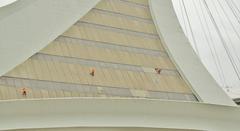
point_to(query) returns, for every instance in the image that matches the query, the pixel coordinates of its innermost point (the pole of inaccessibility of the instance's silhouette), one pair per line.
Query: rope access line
(222, 39)
(190, 27)
(228, 18)
(227, 34)
(231, 43)
(235, 6)
(211, 39)
(225, 45)
(233, 11)
(183, 18)
(212, 51)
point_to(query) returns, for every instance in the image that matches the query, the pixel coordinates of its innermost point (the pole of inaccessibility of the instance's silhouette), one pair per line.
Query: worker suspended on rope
(158, 70)
(24, 91)
(92, 71)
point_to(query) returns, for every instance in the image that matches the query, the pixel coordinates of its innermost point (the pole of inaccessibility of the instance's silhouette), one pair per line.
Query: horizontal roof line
(120, 30)
(135, 4)
(99, 63)
(130, 16)
(113, 46)
(87, 89)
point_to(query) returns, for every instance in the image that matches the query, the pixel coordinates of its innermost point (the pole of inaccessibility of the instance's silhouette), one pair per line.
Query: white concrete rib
(105, 112)
(27, 26)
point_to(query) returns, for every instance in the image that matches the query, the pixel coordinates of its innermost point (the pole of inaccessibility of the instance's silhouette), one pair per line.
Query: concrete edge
(27, 26)
(107, 112)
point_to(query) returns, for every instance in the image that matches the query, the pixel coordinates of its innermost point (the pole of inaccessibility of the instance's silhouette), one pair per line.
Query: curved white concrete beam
(181, 52)
(103, 129)
(27, 26)
(6, 2)
(93, 112)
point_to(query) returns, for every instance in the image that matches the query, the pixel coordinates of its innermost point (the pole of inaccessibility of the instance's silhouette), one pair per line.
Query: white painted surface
(27, 26)
(103, 129)
(201, 23)
(6, 2)
(93, 112)
(181, 52)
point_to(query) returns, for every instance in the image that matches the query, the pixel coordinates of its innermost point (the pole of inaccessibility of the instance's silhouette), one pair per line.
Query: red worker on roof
(24, 91)
(92, 72)
(158, 70)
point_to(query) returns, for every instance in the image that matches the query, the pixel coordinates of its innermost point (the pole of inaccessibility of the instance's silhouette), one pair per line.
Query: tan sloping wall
(123, 48)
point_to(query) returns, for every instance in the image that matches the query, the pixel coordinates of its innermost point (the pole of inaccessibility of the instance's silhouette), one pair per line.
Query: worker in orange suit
(92, 72)
(158, 70)
(24, 91)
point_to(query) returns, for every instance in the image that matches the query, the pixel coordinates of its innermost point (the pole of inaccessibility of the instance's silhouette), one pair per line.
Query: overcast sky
(221, 12)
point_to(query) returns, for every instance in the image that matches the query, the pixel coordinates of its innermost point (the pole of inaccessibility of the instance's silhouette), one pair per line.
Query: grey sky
(197, 14)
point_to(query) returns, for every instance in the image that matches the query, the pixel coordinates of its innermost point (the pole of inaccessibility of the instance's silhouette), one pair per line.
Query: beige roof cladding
(118, 40)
